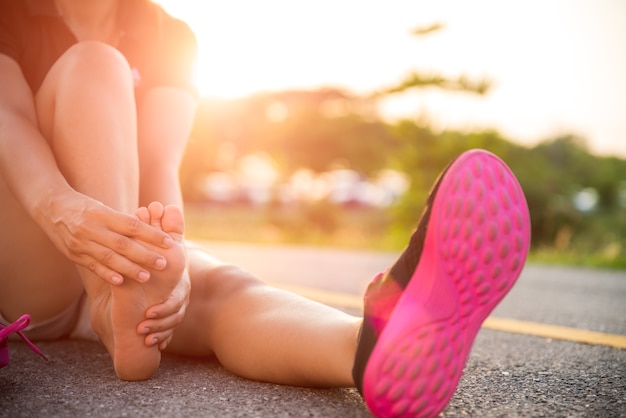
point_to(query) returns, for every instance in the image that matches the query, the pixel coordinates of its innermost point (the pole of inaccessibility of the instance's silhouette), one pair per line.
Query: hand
(165, 317)
(102, 240)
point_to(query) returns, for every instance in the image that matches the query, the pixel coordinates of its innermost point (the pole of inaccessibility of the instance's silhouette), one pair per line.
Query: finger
(175, 303)
(149, 326)
(131, 226)
(163, 345)
(101, 271)
(171, 306)
(158, 338)
(110, 265)
(126, 255)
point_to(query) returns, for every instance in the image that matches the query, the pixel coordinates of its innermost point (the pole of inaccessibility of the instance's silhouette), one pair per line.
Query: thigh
(35, 278)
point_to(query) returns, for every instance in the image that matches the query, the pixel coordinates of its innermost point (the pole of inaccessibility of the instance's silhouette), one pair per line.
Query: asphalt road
(507, 374)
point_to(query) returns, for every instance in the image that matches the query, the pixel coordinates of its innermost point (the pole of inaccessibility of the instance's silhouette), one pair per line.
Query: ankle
(100, 315)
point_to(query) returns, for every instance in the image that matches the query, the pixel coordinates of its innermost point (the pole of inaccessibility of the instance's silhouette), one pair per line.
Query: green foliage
(330, 128)
(550, 174)
(313, 129)
(320, 216)
(421, 80)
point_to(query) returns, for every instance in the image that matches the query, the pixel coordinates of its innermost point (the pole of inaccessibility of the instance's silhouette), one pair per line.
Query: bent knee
(89, 62)
(223, 281)
(99, 57)
(94, 69)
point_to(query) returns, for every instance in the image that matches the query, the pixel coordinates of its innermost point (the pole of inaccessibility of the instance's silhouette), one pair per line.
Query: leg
(86, 111)
(34, 277)
(421, 316)
(73, 107)
(263, 333)
(97, 80)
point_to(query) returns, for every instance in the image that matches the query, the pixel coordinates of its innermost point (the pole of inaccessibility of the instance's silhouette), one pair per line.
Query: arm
(83, 229)
(26, 160)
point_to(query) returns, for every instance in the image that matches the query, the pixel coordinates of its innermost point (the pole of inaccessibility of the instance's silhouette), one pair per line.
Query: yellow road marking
(498, 324)
(555, 332)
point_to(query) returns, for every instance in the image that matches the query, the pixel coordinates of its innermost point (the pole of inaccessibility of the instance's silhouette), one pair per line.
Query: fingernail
(145, 331)
(144, 276)
(117, 279)
(168, 241)
(161, 263)
(155, 340)
(152, 315)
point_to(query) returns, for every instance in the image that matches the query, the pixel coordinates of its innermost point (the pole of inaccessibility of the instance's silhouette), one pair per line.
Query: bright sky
(558, 66)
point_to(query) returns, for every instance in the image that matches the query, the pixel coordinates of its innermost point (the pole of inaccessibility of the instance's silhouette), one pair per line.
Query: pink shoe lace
(15, 327)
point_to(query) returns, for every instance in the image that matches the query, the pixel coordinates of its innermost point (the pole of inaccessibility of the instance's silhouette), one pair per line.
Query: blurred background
(326, 122)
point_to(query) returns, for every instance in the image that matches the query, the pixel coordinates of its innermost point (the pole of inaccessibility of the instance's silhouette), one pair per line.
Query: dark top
(160, 49)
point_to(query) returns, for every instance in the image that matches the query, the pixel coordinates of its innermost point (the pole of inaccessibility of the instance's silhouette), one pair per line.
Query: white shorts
(72, 323)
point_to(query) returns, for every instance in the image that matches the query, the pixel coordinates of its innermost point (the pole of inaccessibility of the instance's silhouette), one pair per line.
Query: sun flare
(558, 66)
(241, 53)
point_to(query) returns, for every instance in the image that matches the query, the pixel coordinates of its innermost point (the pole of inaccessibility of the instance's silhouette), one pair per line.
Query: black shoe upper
(400, 273)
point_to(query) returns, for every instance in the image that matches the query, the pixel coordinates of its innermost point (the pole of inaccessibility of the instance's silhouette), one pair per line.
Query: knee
(223, 282)
(87, 60)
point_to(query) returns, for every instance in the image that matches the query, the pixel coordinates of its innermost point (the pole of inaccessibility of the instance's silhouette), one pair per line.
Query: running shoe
(421, 316)
(15, 327)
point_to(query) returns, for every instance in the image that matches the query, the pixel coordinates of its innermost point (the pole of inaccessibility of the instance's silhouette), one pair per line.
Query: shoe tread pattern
(477, 244)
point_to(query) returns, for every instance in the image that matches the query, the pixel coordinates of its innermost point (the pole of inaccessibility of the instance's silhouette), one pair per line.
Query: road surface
(521, 370)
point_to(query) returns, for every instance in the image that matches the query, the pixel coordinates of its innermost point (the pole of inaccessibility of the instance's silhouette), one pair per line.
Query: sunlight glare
(557, 66)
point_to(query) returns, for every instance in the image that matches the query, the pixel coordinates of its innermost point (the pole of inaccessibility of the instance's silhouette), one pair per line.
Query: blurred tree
(421, 79)
(330, 128)
(312, 129)
(425, 154)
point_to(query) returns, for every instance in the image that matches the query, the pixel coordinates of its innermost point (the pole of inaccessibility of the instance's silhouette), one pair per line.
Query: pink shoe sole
(475, 248)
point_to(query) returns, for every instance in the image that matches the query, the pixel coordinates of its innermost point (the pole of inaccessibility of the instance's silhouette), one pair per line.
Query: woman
(96, 107)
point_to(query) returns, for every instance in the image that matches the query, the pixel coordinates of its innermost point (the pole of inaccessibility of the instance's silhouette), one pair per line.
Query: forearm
(27, 163)
(28, 166)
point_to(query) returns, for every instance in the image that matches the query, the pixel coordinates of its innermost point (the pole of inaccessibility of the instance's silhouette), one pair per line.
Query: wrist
(45, 208)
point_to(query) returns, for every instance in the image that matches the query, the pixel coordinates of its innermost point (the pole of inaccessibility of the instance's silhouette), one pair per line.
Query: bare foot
(132, 359)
